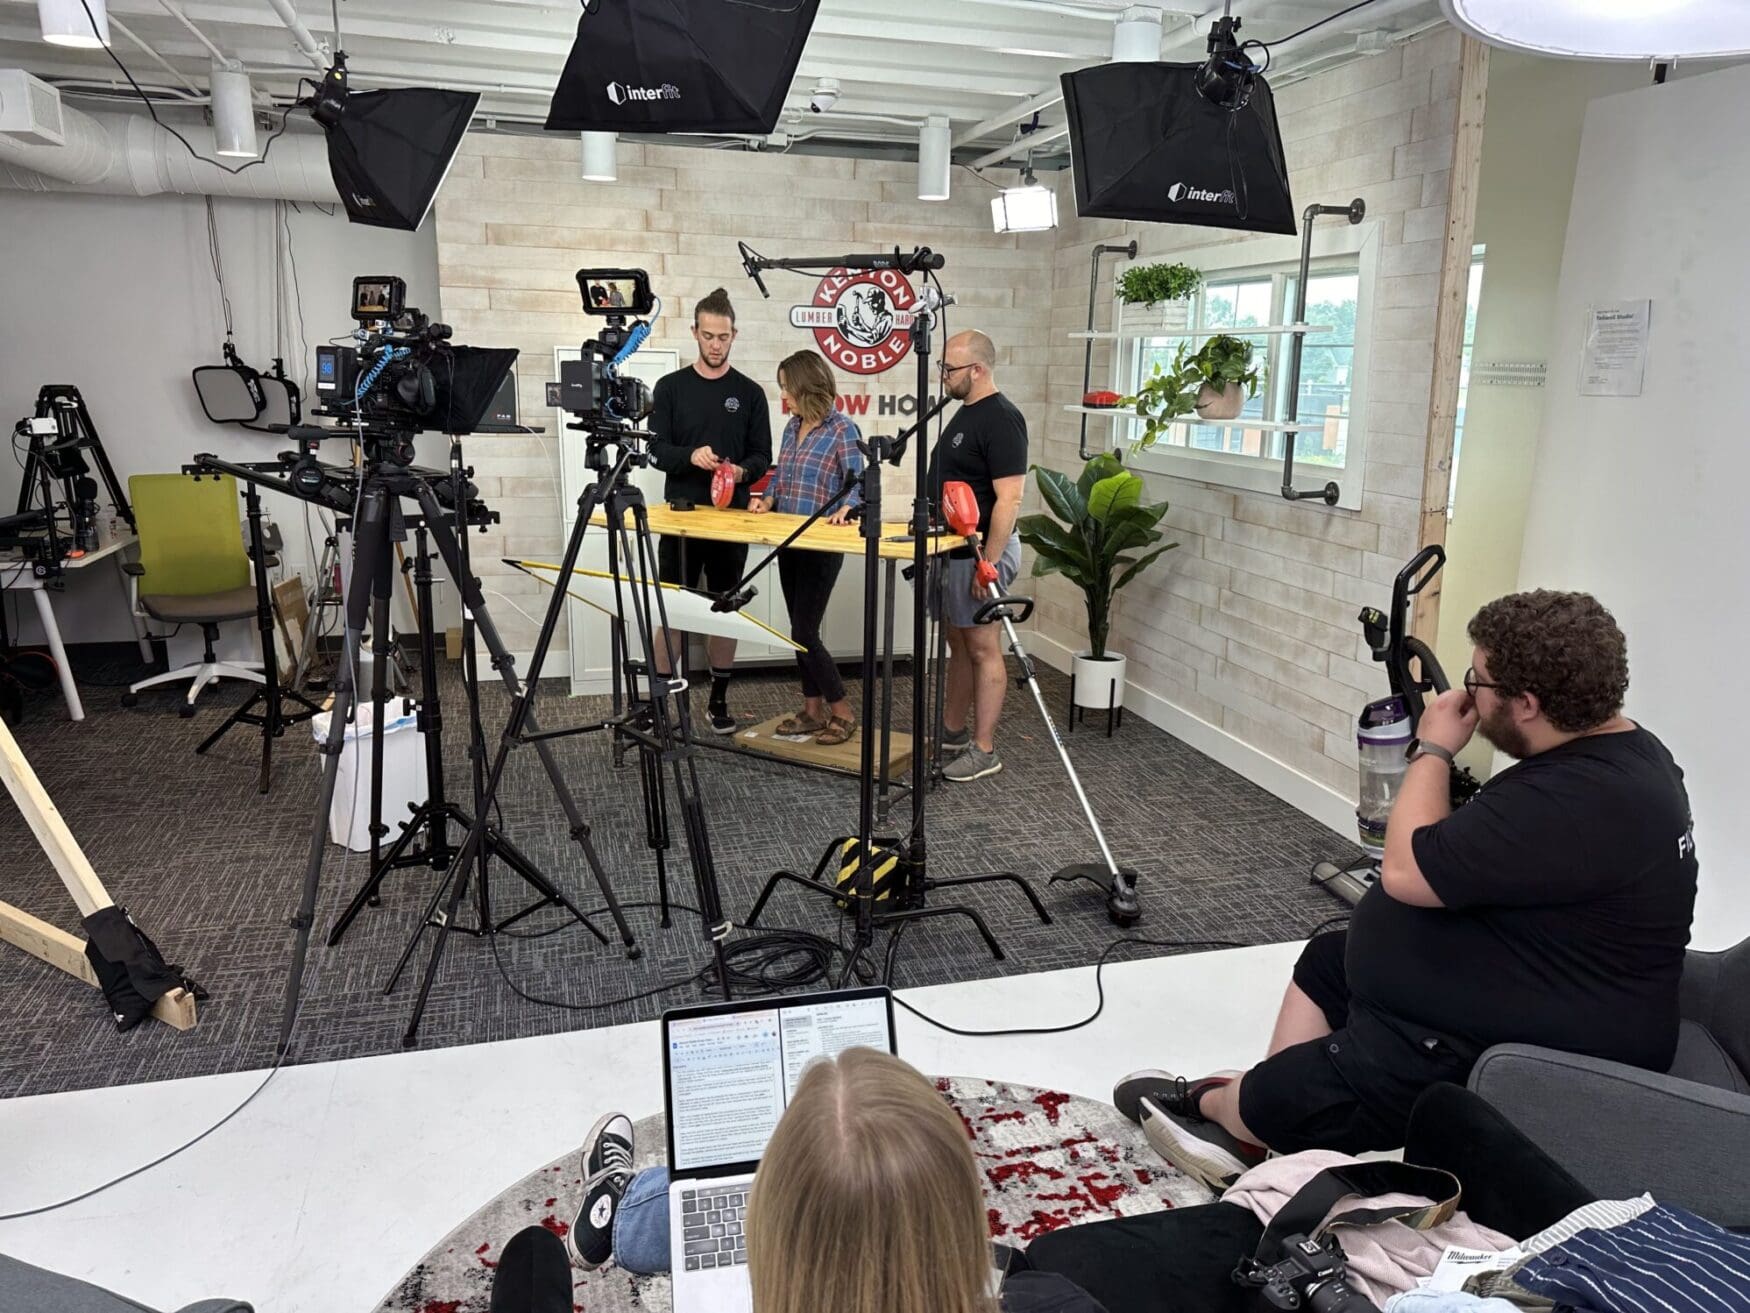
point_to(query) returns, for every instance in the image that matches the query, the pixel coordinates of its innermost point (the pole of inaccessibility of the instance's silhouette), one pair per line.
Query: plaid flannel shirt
(810, 470)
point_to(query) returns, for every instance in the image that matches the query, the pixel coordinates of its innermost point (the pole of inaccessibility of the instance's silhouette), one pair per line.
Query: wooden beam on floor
(1455, 262)
(66, 952)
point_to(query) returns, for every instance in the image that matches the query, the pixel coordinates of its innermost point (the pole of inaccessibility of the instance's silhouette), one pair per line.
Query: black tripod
(377, 525)
(273, 717)
(425, 838)
(657, 718)
(885, 868)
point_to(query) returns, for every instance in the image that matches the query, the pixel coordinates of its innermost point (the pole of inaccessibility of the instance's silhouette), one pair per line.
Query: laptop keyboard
(711, 1218)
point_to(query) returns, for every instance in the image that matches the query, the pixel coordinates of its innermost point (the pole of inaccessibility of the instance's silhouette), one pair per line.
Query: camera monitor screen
(615, 291)
(378, 298)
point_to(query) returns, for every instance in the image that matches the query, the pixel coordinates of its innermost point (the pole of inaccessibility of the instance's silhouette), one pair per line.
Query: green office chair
(193, 569)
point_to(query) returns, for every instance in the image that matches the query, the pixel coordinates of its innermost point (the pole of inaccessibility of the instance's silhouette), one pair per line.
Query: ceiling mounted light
(935, 155)
(1029, 208)
(1639, 30)
(1136, 36)
(600, 156)
(233, 112)
(65, 23)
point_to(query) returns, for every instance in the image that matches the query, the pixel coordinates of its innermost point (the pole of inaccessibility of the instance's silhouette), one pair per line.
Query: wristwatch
(1418, 748)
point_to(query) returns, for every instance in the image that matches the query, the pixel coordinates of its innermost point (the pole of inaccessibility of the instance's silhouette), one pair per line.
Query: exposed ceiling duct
(130, 155)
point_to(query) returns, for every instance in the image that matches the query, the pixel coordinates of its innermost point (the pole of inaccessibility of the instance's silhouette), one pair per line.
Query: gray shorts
(956, 594)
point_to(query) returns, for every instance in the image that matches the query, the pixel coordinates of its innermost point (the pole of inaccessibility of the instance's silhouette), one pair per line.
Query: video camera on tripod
(606, 402)
(404, 374)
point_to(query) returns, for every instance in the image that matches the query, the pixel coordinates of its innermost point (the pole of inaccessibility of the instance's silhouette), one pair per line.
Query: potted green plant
(1165, 397)
(1224, 376)
(1099, 535)
(1155, 298)
(1150, 284)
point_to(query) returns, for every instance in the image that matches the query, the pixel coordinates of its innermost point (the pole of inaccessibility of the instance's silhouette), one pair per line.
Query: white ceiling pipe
(199, 35)
(155, 57)
(129, 155)
(1031, 141)
(1013, 114)
(317, 52)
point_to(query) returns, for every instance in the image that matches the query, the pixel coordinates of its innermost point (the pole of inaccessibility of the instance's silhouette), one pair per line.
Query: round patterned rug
(1049, 1159)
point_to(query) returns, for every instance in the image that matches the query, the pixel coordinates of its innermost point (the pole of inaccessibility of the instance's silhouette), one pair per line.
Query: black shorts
(1351, 1091)
(684, 561)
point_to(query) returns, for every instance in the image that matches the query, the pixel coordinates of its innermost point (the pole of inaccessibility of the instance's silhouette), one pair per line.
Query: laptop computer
(729, 1071)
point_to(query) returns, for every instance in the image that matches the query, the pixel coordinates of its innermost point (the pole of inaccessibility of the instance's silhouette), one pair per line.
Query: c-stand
(910, 863)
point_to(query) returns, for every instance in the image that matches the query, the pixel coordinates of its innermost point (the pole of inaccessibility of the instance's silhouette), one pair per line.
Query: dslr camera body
(591, 387)
(1310, 1275)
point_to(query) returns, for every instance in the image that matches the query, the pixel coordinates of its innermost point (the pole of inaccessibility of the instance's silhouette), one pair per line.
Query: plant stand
(1114, 696)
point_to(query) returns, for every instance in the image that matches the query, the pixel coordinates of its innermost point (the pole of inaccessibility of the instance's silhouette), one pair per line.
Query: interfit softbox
(681, 65)
(1145, 145)
(389, 151)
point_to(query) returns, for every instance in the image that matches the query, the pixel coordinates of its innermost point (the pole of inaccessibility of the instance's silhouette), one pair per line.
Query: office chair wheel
(130, 699)
(186, 711)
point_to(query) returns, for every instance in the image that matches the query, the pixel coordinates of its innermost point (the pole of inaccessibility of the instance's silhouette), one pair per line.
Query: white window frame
(1360, 243)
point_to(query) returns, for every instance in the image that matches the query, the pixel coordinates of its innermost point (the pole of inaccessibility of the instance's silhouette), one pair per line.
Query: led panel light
(1024, 209)
(1639, 30)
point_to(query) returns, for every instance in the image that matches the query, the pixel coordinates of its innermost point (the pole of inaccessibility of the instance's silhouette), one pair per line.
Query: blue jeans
(641, 1225)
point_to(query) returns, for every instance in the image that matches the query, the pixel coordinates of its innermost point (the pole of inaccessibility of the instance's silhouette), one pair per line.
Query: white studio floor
(323, 1192)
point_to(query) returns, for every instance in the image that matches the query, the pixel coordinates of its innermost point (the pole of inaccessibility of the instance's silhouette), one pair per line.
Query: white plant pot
(1161, 318)
(1099, 684)
(1225, 404)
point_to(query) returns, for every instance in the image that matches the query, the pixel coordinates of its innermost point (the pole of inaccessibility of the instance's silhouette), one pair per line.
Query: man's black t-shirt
(985, 441)
(1568, 884)
(727, 414)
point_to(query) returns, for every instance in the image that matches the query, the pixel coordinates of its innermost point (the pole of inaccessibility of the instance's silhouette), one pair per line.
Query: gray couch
(27, 1289)
(1684, 1135)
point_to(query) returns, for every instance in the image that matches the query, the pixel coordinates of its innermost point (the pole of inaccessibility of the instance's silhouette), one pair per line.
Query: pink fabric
(1383, 1259)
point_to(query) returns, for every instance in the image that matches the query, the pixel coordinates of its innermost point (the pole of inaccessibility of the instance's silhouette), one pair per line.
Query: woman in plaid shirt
(817, 453)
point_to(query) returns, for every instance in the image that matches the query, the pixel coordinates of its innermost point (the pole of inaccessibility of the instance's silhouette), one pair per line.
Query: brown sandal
(800, 724)
(838, 730)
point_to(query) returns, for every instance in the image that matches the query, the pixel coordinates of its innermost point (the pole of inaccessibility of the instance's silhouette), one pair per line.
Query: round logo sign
(861, 321)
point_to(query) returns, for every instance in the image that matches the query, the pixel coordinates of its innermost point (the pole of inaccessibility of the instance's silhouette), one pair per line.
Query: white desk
(16, 574)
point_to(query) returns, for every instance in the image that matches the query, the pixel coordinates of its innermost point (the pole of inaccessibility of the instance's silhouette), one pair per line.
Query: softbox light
(681, 66)
(389, 151)
(1145, 145)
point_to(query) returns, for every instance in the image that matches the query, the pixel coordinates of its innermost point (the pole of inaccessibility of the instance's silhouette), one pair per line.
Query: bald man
(985, 445)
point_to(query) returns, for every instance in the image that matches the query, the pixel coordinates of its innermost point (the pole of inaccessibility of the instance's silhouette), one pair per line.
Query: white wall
(116, 296)
(1531, 145)
(1642, 500)
(1243, 641)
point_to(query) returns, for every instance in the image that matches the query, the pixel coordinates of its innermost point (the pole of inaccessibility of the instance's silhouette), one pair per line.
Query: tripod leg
(924, 913)
(551, 895)
(656, 822)
(522, 715)
(371, 523)
(381, 591)
(367, 894)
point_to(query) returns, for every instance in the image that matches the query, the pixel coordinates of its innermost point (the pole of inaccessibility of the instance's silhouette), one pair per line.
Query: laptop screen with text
(732, 1073)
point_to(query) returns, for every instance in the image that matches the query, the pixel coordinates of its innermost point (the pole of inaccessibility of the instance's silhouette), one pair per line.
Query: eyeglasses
(1472, 683)
(946, 368)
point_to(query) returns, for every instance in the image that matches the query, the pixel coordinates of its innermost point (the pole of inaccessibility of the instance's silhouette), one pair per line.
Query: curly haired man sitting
(1552, 909)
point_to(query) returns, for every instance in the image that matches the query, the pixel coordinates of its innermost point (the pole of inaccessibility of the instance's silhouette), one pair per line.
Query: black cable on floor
(1099, 988)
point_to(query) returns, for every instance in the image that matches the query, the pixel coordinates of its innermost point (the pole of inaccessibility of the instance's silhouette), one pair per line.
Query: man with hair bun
(706, 415)
(1552, 909)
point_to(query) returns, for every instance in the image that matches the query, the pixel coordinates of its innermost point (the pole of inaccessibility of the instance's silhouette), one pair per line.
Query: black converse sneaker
(607, 1171)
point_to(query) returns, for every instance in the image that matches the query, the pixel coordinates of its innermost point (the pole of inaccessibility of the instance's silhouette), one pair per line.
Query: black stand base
(885, 910)
(1114, 708)
(270, 721)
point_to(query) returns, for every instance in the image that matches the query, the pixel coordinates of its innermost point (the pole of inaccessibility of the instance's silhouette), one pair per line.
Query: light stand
(273, 718)
(868, 852)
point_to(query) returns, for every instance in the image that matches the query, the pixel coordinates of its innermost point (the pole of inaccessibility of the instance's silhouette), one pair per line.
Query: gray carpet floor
(213, 871)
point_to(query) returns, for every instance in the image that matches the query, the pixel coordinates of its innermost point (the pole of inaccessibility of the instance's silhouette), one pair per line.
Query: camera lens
(1335, 1296)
